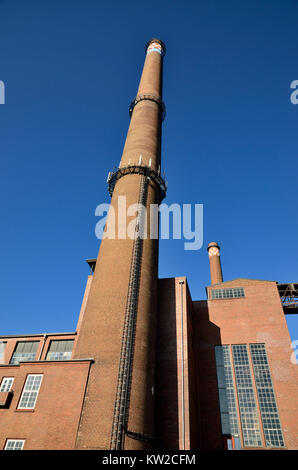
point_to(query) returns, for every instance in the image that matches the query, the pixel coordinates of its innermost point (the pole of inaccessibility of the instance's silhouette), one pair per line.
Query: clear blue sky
(71, 69)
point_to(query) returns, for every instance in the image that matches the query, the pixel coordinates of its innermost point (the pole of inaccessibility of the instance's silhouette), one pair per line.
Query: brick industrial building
(147, 366)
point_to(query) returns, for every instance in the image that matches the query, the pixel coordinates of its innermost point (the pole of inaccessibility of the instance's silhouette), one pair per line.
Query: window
(233, 293)
(267, 402)
(246, 398)
(236, 378)
(6, 384)
(232, 443)
(14, 444)
(24, 351)
(227, 399)
(2, 352)
(30, 392)
(60, 350)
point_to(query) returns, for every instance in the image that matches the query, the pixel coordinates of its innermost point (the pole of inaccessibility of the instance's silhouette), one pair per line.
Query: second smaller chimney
(215, 265)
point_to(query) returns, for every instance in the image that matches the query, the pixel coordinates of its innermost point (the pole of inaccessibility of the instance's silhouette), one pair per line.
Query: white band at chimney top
(154, 47)
(213, 251)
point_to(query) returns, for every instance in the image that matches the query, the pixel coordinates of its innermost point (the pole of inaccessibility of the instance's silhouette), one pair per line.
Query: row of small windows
(232, 293)
(59, 350)
(233, 361)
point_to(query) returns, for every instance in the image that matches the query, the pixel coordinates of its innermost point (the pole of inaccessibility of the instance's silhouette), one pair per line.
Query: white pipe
(42, 347)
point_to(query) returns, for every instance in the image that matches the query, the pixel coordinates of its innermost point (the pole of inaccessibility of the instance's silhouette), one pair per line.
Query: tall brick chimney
(119, 321)
(215, 265)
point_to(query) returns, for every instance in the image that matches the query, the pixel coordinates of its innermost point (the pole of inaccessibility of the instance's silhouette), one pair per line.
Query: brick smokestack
(118, 328)
(215, 264)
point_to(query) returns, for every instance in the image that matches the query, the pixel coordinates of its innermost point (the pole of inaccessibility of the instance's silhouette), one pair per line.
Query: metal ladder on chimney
(121, 408)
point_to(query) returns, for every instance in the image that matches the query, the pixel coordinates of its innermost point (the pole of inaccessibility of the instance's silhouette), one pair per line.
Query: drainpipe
(42, 347)
(182, 368)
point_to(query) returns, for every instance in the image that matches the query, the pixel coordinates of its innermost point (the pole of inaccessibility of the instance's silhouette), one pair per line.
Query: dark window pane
(247, 402)
(267, 402)
(24, 351)
(60, 350)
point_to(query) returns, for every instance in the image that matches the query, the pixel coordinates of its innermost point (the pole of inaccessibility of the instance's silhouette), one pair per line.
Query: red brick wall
(53, 424)
(170, 407)
(166, 383)
(206, 334)
(43, 340)
(257, 318)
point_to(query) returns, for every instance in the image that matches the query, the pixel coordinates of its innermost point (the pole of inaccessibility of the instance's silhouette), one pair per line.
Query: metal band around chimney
(140, 170)
(153, 98)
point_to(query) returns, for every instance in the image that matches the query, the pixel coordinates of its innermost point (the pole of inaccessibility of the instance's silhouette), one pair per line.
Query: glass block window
(246, 398)
(232, 293)
(227, 399)
(24, 351)
(6, 384)
(2, 351)
(60, 350)
(14, 444)
(30, 391)
(267, 402)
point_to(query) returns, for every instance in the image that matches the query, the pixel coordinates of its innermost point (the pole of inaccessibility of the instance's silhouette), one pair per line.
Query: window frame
(248, 405)
(5, 387)
(227, 293)
(16, 357)
(34, 392)
(3, 345)
(226, 391)
(60, 354)
(14, 440)
(272, 427)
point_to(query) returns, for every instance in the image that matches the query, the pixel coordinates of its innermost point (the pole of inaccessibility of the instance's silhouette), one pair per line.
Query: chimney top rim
(213, 244)
(159, 41)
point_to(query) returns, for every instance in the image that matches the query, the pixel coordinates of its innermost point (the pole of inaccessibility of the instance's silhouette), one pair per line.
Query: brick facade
(187, 413)
(142, 372)
(53, 423)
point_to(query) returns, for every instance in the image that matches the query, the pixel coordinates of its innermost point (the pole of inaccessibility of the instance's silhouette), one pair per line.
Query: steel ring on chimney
(154, 176)
(153, 98)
